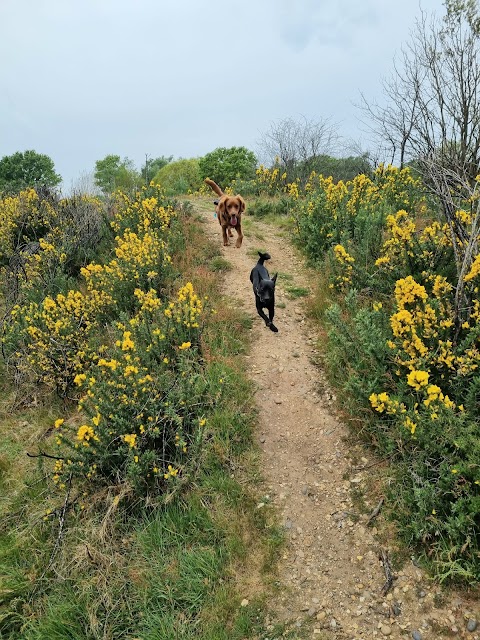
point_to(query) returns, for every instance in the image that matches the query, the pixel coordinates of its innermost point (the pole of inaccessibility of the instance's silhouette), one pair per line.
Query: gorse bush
(144, 398)
(45, 240)
(405, 356)
(121, 343)
(333, 213)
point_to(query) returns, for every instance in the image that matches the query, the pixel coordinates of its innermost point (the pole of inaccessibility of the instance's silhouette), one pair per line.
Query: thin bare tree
(294, 145)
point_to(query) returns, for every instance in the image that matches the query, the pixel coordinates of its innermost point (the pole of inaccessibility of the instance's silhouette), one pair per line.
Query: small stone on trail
(244, 602)
(386, 630)
(416, 635)
(472, 625)
(278, 401)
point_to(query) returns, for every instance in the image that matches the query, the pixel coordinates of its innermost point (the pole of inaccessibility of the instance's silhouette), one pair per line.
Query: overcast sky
(81, 79)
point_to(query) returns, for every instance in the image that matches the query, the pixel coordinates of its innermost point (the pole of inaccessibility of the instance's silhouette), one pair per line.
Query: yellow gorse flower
(417, 379)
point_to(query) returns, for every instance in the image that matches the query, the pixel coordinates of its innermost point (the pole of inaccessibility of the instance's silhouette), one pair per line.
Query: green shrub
(180, 176)
(225, 165)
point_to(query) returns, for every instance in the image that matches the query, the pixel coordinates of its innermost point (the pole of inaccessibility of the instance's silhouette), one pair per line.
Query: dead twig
(377, 462)
(387, 567)
(375, 512)
(61, 526)
(41, 454)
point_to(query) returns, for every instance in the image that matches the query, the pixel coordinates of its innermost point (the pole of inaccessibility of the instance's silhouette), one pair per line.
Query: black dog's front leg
(268, 321)
(271, 314)
(258, 304)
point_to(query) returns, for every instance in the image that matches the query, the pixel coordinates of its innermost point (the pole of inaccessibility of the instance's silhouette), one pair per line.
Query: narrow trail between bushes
(322, 485)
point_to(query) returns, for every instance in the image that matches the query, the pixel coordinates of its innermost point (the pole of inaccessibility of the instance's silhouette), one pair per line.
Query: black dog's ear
(274, 279)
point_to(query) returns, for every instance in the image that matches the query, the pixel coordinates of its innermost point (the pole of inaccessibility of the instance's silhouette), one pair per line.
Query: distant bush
(341, 168)
(276, 207)
(27, 170)
(225, 165)
(179, 177)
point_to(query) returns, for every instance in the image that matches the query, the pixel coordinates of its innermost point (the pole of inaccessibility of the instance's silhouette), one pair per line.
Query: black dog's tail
(263, 257)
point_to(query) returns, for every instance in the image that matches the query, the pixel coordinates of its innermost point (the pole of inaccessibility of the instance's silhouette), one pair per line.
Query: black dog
(264, 290)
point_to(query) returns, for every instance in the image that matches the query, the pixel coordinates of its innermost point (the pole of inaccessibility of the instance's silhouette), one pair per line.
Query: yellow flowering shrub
(144, 399)
(49, 342)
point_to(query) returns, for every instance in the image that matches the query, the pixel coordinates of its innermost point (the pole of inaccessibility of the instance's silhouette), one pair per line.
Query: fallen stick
(387, 567)
(375, 512)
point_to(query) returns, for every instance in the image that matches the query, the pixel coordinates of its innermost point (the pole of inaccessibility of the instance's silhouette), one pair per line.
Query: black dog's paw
(273, 327)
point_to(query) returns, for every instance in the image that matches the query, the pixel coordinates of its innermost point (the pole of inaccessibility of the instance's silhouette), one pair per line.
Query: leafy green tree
(224, 165)
(113, 173)
(153, 165)
(180, 176)
(27, 169)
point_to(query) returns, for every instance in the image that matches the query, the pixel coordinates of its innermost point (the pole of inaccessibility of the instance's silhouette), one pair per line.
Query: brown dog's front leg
(238, 243)
(225, 237)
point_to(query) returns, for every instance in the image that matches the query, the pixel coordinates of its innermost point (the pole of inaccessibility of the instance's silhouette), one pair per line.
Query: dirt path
(331, 571)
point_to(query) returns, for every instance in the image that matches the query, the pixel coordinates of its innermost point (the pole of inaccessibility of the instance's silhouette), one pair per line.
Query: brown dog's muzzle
(233, 221)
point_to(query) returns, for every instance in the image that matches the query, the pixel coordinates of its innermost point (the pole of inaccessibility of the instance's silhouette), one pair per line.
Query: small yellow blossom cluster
(143, 212)
(434, 401)
(270, 181)
(335, 194)
(398, 187)
(383, 403)
(363, 194)
(345, 262)
(397, 247)
(292, 189)
(422, 327)
(474, 270)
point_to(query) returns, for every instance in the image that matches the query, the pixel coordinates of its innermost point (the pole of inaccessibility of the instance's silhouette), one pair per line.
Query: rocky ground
(324, 486)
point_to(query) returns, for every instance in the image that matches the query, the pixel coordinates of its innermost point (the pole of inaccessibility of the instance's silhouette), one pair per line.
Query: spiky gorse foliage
(142, 400)
(401, 346)
(114, 338)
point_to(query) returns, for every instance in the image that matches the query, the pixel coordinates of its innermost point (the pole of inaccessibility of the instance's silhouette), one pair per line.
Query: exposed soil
(323, 485)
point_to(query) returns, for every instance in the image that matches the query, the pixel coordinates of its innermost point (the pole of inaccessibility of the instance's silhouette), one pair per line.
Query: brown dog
(229, 213)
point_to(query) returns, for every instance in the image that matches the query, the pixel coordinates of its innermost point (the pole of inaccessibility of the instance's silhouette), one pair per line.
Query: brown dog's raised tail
(214, 186)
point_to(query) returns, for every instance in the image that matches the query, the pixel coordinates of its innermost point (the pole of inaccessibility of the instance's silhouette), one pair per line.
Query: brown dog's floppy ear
(222, 204)
(242, 204)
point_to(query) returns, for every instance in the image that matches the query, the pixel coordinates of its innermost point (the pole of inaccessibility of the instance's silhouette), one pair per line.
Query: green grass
(251, 229)
(220, 264)
(297, 292)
